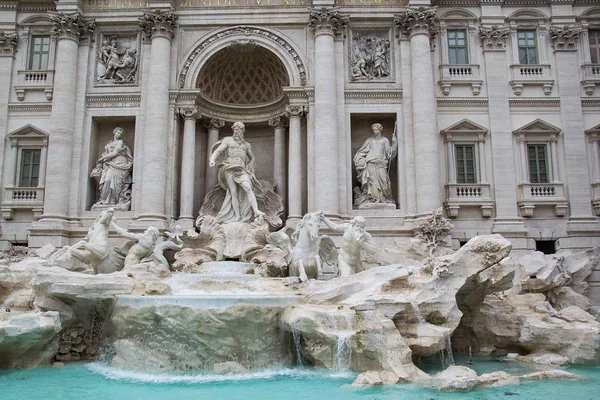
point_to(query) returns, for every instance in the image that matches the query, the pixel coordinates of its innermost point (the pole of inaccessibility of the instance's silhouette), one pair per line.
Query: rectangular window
(465, 163)
(538, 166)
(527, 47)
(457, 47)
(40, 51)
(595, 46)
(30, 167)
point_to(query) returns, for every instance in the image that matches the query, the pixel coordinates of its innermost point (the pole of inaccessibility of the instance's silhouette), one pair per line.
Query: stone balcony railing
(28, 198)
(538, 74)
(468, 195)
(467, 74)
(591, 77)
(540, 194)
(35, 80)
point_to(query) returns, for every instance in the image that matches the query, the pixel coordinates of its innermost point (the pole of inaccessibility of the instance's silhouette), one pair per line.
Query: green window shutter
(457, 47)
(40, 52)
(465, 163)
(30, 168)
(528, 51)
(538, 163)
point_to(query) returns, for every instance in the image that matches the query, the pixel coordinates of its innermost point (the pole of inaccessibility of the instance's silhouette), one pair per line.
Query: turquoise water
(98, 382)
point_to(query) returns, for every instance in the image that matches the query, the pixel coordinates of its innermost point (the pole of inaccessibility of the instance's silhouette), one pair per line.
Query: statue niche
(113, 173)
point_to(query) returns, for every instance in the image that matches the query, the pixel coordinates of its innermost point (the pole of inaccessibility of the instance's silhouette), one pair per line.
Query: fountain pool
(98, 381)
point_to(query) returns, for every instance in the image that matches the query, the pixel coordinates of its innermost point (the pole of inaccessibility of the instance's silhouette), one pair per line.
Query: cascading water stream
(343, 355)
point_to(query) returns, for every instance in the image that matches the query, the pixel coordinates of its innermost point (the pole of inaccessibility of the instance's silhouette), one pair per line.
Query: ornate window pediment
(540, 183)
(466, 164)
(27, 167)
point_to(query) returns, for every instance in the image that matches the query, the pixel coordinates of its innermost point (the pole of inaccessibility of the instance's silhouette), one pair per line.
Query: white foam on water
(118, 374)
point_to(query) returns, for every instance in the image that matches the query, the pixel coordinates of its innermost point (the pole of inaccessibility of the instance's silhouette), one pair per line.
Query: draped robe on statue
(372, 161)
(218, 202)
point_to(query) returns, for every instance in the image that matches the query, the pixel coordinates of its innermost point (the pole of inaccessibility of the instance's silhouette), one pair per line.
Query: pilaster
(494, 42)
(565, 41)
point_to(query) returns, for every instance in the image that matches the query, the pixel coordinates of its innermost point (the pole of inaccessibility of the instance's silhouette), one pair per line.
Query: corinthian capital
(564, 38)
(296, 111)
(420, 20)
(214, 123)
(8, 43)
(159, 23)
(71, 26)
(327, 20)
(189, 112)
(493, 38)
(278, 122)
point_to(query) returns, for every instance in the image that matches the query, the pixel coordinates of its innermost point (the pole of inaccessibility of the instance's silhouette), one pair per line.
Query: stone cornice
(327, 21)
(71, 26)
(564, 38)
(493, 38)
(414, 21)
(8, 43)
(534, 103)
(159, 23)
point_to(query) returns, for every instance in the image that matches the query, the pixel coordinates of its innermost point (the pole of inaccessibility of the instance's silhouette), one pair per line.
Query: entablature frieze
(373, 96)
(30, 108)
(113, 101)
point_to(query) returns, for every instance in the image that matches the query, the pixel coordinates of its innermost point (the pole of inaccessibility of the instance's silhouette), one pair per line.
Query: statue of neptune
(239, 194)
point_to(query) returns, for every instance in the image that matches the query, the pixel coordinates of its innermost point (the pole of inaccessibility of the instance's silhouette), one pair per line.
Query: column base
(49, 231)
(186, 222)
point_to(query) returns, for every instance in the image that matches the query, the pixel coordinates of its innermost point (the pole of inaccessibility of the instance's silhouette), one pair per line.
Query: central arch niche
(243, 75)
(243, 81)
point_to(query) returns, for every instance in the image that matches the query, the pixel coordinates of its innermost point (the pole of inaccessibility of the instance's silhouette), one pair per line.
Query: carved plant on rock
(433, 231)
(205, 245)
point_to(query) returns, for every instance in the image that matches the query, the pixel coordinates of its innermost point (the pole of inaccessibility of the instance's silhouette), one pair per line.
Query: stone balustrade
(538, 74)
(539, 194)
(42, 80)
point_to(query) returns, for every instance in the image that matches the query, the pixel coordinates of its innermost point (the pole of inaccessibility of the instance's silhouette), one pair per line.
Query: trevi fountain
(239, 307)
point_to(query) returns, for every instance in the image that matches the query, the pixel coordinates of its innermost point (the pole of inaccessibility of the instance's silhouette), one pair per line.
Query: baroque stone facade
(493, 105)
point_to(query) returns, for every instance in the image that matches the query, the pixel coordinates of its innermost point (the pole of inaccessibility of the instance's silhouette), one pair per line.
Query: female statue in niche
(113, 172)
(372, 163)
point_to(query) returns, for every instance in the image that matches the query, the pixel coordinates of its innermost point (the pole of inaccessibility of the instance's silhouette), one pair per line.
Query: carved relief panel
(371, 56)
(117, 58)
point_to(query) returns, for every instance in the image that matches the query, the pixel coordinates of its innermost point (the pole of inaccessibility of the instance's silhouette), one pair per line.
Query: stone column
(70, 28)
(213, 125)
(157, 25)
(295, 113)
(507, 220)
(279, 125)
(564, 42)
(326, 23)
(8, 47)
(420, 24)
(188, 162)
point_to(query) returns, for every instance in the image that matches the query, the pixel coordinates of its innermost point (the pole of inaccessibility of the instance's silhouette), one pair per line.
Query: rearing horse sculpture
(306, 250)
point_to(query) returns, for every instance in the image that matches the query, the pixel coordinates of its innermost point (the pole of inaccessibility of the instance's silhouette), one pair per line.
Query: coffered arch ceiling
(243, 74)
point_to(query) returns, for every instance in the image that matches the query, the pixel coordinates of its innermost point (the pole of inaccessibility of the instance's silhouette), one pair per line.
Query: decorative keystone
(327, 21)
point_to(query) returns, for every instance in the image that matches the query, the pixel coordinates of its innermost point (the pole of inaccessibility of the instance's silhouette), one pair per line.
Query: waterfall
(297, 346)
(418, 313)
(343, 331)
(446, 356)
